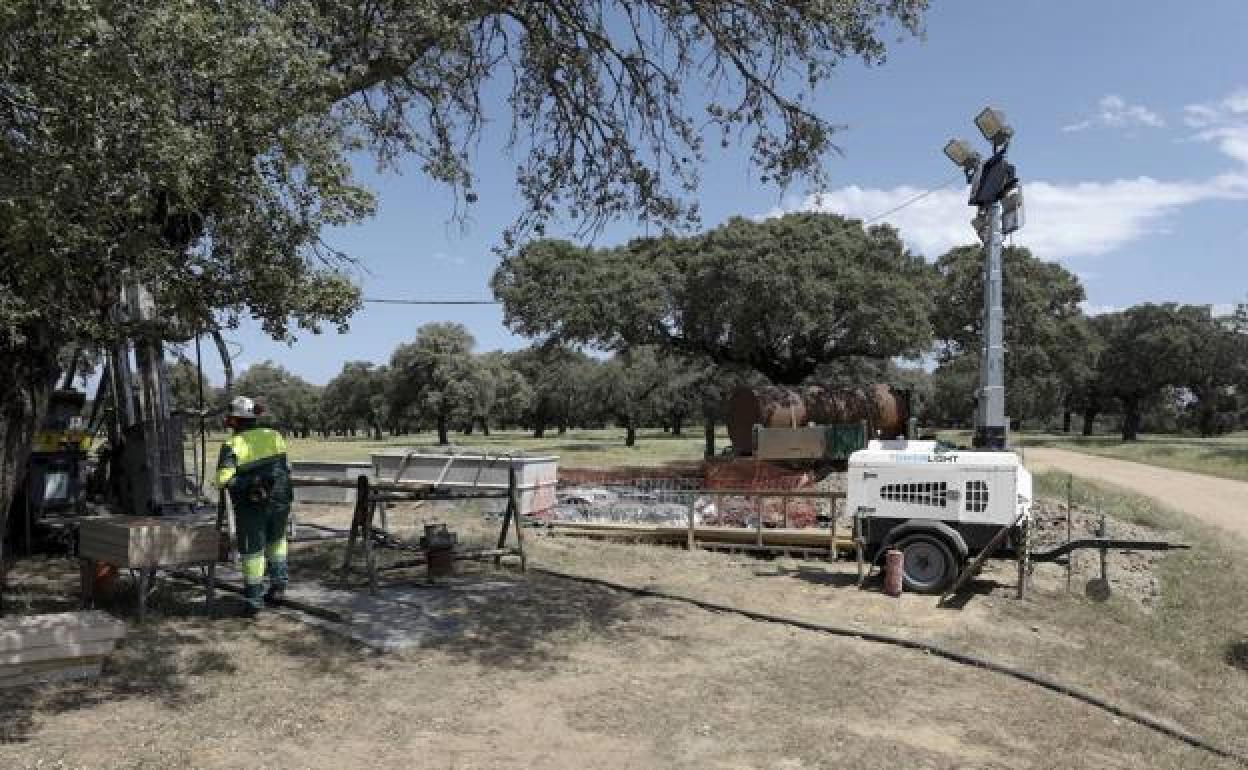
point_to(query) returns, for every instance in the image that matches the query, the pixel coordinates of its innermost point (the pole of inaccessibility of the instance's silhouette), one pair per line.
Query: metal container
(893, 569)
(883, 408)
(536, 477)
(327, 470)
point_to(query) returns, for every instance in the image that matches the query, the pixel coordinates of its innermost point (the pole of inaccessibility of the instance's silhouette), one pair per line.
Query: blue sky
(1131, 123)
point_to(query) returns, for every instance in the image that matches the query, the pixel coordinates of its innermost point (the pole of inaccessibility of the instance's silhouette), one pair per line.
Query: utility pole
(996, 193)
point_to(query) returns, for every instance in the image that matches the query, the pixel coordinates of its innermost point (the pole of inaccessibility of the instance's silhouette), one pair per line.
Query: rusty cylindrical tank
(776, 406)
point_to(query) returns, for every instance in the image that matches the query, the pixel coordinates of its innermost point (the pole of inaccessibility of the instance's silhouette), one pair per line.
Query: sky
(1131, 141)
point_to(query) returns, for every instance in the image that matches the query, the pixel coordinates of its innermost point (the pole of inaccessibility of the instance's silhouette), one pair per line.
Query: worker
(254, 468)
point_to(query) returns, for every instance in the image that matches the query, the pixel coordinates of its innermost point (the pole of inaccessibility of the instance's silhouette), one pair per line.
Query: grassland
(1202, 620)
(576, 448)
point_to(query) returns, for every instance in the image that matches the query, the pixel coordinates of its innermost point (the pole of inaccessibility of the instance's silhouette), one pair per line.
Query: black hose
(930, 648)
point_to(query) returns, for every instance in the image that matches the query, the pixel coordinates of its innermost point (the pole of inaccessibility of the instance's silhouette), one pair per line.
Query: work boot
(253, 599)
(279, 575)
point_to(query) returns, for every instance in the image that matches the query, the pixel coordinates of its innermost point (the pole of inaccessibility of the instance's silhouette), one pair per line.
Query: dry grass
(560, 674)
(1224, 456)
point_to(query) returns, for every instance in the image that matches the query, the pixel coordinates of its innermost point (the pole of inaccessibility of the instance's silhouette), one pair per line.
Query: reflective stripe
(253, 567)
(276, 550)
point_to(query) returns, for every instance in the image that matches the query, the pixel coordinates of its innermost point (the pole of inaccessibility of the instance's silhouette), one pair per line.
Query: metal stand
(145, 578)
(371, 499)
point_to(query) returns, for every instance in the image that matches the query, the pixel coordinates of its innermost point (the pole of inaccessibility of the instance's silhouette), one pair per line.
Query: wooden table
(147, 544)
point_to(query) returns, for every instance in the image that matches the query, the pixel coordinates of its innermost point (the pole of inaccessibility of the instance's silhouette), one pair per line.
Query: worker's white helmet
(243, 407)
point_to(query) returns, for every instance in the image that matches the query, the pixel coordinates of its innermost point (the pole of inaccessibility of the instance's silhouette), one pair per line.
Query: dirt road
(1220, 502)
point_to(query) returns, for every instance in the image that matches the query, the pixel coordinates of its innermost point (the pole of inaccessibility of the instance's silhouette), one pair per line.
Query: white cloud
(1114, 112)
(1081, 219)
(1199, 115)
(1062, 220)
(1224, 123)
(1217, 309)
(1237, 103)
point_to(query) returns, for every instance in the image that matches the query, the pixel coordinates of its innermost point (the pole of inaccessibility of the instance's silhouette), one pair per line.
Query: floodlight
(991, 123)
(959, 151)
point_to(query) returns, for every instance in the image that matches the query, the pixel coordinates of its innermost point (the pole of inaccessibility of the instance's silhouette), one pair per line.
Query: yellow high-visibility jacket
(251, 452)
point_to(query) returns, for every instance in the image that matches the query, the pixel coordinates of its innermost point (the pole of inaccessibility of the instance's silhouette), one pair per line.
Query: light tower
(996, 194)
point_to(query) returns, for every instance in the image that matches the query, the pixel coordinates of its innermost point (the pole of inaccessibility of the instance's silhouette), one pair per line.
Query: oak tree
(781, 296)
(200, 149)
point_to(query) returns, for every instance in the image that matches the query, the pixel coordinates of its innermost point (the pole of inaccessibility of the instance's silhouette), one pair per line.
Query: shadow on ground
(1237, 654)
(179, 639)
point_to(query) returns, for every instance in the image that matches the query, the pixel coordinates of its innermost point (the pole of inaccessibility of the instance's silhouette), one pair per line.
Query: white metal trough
(536, 477)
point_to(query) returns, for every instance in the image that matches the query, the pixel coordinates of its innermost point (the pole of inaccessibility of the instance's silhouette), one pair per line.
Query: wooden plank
(57, 652)
(813, 538)
(41, 666)
(59, 628)
(149, 541)
(84, 671)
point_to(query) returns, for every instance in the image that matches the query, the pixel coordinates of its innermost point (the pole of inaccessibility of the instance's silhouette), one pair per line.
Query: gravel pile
(1132, 574)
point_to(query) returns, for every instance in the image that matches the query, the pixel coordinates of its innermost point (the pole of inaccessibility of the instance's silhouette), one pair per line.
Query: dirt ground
(564, 675)
(1220, 502)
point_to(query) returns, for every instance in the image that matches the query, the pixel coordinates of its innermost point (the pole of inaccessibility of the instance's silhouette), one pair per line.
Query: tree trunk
(468, 428)
(539, 427)
(377, 431)
(1066, 419)
(708, 433)
(27, 376)
(1131, 419)
(1089, 421)
(443, 427)
(563, 427)
(630, 435)
(677, 425)
(485, 426)
(1206, 410)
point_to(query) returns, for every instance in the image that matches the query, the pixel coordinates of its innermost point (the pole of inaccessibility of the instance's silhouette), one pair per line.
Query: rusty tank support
(884, 409)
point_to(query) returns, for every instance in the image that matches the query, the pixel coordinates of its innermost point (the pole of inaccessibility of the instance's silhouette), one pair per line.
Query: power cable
(392, 301)
(915, 199)
(869, 220)
(936, 650)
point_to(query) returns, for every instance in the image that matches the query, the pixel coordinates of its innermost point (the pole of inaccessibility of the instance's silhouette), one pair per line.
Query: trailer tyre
(928, 564)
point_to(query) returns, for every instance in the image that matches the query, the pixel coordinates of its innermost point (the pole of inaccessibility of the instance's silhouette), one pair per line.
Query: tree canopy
(290, 402)
(436, 374)
(357, 395)
(1150, 347)
(780, 296)
(201, 148)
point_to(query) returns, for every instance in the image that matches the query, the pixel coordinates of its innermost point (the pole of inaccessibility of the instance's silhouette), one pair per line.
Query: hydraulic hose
(937, 650)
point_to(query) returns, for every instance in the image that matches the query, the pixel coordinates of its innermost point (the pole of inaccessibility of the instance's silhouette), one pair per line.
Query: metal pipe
(990, 430)
(948, 653)
(202, 470)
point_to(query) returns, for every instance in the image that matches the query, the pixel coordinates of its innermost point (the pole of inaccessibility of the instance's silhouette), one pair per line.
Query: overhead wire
(913, 200)
(867, 221)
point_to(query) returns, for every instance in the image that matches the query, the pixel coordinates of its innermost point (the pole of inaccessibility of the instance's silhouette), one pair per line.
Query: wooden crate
(148, 541)
(66, 645)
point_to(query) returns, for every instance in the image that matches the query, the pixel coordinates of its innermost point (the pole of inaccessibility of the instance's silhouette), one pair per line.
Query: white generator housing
(975, 494)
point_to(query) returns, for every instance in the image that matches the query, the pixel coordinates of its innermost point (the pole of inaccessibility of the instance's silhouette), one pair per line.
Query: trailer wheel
(928, 564)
